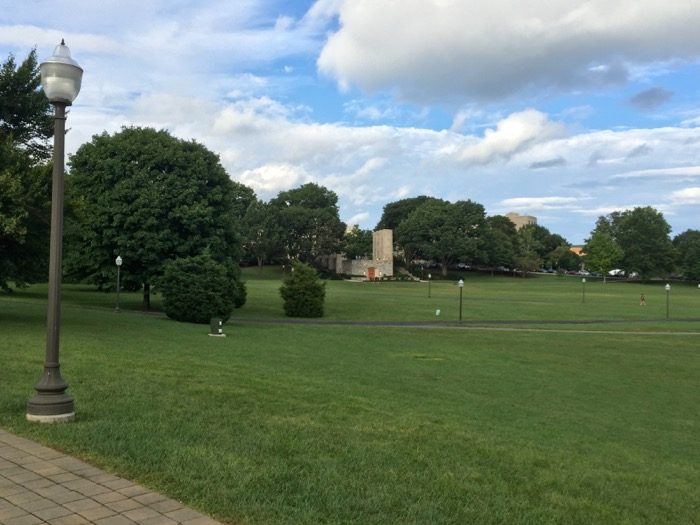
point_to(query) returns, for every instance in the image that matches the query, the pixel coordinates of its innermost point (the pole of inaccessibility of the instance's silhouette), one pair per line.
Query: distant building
(521, 220)
(380, 265)
(578, 250)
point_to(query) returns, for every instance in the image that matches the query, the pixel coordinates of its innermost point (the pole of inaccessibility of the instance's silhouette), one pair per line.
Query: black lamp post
(430, 276)
(461, 287)
(583, 296)
(60, 78)
(668, 300)
(118, 262)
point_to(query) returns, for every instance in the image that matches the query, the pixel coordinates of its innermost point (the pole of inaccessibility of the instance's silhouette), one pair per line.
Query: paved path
(40, 485)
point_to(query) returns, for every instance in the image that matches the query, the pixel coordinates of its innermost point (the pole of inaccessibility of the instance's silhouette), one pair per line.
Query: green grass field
(299, 424)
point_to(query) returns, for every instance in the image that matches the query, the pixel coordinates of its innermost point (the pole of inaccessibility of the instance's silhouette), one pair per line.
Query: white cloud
(686, 196)
(442, 51)
(680, 172)
(270, 179)
(540, 203)
(513, 134)
(358, 218)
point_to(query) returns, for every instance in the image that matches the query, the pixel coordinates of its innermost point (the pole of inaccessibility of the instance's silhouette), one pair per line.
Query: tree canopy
(687, 245)
(149, 197)
(395, 212)
(25, 177)
(310, 218)
(442, 231)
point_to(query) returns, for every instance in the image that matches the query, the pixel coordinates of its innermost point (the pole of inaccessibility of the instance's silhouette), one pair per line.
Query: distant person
(642, 300)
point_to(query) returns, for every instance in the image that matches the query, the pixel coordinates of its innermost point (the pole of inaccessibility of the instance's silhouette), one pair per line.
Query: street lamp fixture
(61, 77)
(118, 261)
(583, 283)
(430, 276)
(461, 287)
(668, 298)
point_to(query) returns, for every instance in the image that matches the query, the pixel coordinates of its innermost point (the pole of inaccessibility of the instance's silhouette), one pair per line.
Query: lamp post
(60, 78)
(583, 283)
(668, 299)
(430, 276)
(461, 287)
(118, 262)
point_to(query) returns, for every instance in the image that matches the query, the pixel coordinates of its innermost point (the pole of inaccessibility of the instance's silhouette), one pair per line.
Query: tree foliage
(643, 236)
(499, 242)
(150, 198)
(394, 213)
(687, 245)
(25, 112)
(263, 232)
(302, 292)
(358, 243)
(25, 178)
(602, 252)
(442, 231)
(311, 221)
(196, 289)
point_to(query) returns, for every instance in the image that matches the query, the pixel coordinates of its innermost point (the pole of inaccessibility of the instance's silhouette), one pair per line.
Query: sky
(562, 109)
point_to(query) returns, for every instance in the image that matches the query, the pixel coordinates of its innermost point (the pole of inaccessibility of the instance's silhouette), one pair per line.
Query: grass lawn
(299, 424)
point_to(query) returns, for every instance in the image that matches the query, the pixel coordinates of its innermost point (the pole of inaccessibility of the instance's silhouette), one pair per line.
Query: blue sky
(564, 110)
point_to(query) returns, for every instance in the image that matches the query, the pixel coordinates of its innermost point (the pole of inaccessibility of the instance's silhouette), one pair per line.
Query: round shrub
(195, 289)
(302, 292)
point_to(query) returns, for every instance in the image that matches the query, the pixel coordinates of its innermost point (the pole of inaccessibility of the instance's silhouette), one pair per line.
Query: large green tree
(151, 198)
(311, 221)
(602, 252)
(688, 246)
(499, 242)
(643, 236)
(25, 177)
(395, 212)
(442, 231)
(263, 232)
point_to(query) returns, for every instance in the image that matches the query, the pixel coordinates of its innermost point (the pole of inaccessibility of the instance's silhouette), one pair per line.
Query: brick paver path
(40, 485)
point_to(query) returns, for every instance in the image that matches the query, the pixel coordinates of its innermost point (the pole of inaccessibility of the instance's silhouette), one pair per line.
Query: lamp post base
(60, 418)
(51, 408)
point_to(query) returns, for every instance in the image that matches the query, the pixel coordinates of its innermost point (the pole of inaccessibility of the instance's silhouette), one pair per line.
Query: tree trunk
(146, 296)
(444, 269)
(260, 263)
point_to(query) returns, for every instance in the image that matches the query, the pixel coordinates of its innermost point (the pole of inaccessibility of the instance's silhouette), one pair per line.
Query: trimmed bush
(302, 292)
(195, 289)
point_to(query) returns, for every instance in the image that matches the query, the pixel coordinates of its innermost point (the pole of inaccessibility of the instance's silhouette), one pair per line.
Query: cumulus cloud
(270, 179)
(442, 51)
(513, 134)
(686, 196)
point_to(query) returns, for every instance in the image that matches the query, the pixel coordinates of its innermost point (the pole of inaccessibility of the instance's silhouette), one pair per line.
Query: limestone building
(521, 220)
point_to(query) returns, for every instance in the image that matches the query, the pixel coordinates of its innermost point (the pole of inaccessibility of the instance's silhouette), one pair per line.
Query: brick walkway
(40, 485)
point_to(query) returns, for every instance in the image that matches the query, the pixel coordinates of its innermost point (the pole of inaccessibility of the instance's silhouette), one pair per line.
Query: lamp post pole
(430, 276)
(583, 283)
(668, 300)
(118, 262)
(60, 78)
(461, 287)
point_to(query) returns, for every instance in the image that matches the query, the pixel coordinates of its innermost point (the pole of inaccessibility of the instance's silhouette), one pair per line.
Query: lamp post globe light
(60, 78)
(118, 261)
(583, 283)
(430, 276)
(668, 296)
(461, 287)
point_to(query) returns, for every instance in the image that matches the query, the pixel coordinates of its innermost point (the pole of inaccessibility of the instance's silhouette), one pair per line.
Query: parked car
(617, 272)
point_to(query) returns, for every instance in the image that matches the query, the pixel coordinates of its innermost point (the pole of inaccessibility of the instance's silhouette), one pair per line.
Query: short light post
(668, 300)
(118, 261)
(583, 284)
(430, 276)
(461, 287)
(61, 77)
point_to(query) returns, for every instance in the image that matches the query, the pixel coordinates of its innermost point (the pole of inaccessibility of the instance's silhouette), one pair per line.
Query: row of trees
(154, 199)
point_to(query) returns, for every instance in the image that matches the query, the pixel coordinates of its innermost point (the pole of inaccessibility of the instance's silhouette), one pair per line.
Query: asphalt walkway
(41, 485)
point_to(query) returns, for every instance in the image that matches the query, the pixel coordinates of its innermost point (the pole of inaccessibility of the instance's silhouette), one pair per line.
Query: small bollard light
(461, 287)
(216, 327)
